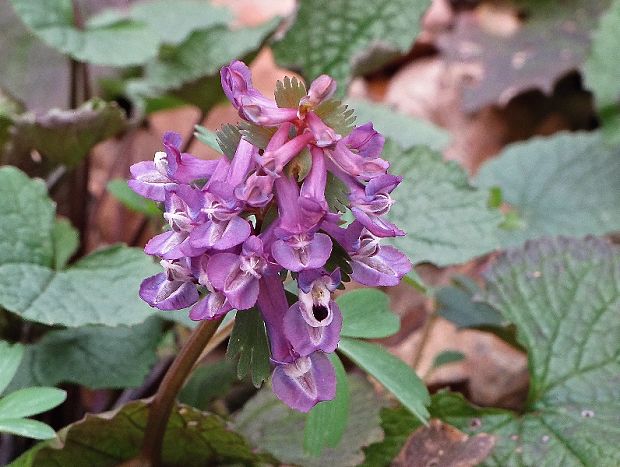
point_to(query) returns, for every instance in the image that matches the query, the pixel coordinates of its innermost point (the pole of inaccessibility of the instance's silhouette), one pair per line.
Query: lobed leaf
(53, 21)
(131, 200)
(341, 37)
(566, 184)
(446, 219)
(564, 296)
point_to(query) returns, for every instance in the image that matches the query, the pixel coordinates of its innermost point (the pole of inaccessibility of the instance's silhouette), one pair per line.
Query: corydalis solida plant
(239, 226)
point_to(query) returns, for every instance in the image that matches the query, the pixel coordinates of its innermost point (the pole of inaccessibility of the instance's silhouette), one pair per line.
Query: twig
(163, 401)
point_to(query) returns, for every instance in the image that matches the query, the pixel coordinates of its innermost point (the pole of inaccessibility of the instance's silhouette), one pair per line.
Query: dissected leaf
(553, 41)
(249, 341)
(67, 136)
(403, 129)
(269, 424)
(446, 219)
(208, 137)
(336, 194)
(340, 37)
(192, 438)
(366, 313)
(66, 241)
(228, 138)
(337, 116)
(289, 92)
(328, 420)
(391, 372)
(92, 356)
(563, 295)
(30, 401)
(130, 199)
(566, 184)
(10, 358)
(116, 43)
(259, 136)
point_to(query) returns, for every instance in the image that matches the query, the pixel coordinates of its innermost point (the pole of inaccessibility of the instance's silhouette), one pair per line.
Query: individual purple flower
(237, 275)
(151, 179)
(299, 246)
(251, 104)
(305, 382)
(314, 322)
(183, 212)
(299, 382)
(369, 204)
(170, 290)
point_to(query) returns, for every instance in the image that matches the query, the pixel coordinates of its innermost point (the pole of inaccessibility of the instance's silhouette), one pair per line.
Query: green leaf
(446, 219)
(259, 136)
(10, 358)
(566, 184)
(174, 23)
(99, 289)
(207, 383)
(92, 356)
(27, 428)
(366, 313)
(391, 372)
(131, 200)
(202, 55)
(269, 424)
(563, 295)
(30, 401)
(337, 116)
(328, 420)
(600, 72)
(191, 438)
(249, 341)
(208, 137)
(403, 129)
(398, 424)
(116, 43)
(342, 37)
(27, 220)
(289, 92)
(66, 241)
(67, 136)
(446, 357)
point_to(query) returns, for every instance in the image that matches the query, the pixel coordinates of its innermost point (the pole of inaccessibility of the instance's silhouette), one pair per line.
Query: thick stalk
(163, 401)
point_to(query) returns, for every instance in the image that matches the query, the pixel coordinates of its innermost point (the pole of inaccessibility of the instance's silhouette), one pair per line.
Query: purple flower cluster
(221, 240)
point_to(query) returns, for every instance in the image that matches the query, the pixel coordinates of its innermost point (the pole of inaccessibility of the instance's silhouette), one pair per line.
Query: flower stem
(163, 401)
